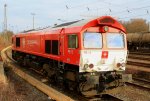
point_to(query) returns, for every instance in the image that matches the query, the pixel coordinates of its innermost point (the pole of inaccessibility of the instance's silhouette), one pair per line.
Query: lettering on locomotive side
(32, 42)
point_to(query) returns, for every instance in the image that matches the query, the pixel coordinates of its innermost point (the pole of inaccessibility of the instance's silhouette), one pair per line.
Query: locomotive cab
(103, 51)
(103, 56)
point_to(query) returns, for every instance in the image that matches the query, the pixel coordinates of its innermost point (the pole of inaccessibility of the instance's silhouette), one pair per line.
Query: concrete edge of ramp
(3, 78)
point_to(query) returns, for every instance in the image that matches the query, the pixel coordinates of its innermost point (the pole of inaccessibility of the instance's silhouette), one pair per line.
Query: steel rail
(138, 86)
(140, 83)
(138, 64)
(139, 57)
(142, 80)
(140, 53)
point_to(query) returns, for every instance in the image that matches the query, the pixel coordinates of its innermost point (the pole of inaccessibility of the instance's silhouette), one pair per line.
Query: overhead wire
(133, 16)
(92, 3)
(110, 11)
(133, 9)
(128, 10)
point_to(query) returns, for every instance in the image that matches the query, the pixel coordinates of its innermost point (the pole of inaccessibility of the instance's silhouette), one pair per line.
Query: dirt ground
(17, 89)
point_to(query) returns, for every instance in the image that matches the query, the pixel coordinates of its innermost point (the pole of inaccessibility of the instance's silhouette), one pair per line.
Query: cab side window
(72, 41)
(48, 46)
(18, 42)
(55, 47)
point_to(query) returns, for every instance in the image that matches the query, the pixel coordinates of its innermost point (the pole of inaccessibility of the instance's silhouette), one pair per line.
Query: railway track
(139, 60)
(139, 57)
(49, 89)
(141, 53)
(140, 83)
(138, 64)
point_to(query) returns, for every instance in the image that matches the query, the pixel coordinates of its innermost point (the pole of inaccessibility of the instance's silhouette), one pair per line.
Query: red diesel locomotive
(85, 55)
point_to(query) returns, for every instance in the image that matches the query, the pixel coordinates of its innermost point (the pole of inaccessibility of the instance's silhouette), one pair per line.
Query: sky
(50, 12)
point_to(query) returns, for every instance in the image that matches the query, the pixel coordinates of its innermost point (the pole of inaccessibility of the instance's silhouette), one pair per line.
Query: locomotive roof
(90, 22)
(66, 24)
(82, 23)
(73, 23)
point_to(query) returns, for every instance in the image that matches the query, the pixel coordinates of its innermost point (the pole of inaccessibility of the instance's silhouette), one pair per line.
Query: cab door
(62, 45)
(72, 52)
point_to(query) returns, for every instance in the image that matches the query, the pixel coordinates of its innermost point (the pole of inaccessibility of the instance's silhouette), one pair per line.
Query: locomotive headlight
(91, 66)
(120, 65)
(106, 28)
(86, 66)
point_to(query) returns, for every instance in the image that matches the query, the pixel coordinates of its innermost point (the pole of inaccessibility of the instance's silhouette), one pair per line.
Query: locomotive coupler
(98, 80)
(100, 87)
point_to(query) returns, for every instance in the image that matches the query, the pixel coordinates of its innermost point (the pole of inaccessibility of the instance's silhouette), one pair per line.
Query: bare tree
(136, 25)
(5, 38)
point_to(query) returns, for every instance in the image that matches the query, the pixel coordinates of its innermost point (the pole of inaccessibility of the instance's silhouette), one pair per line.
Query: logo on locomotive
(32, 42)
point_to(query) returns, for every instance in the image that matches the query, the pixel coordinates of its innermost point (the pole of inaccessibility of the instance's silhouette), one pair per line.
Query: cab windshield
(115, 40)
(92, 40)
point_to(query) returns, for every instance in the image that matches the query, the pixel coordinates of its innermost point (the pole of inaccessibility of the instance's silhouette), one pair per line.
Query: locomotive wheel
(45, 74)
(59, 80)
(72, 86)
(24, 62)
(49, 73)
(86, 89)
